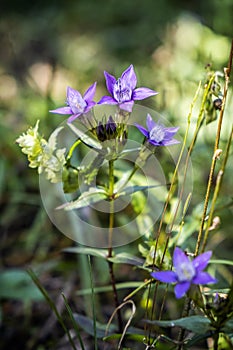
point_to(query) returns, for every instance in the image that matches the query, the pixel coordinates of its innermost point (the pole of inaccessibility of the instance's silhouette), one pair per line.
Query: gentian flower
(77, 104)
(123, 90)
(157, 134)
(186, 272)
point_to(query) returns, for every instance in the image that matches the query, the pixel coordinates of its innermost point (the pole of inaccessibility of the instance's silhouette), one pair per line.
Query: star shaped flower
(157, 134)
(124, 91)
(77, 104)
(186, 272)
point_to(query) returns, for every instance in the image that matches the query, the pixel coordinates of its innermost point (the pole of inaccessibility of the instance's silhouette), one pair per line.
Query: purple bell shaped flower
(77, 104)
(157, 134)
(186, 272)
(123, 90)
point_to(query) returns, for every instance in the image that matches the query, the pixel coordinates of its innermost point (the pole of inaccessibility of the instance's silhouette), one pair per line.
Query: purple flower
(123, 90)
(157, 134)
(77, 104)
(186, 272)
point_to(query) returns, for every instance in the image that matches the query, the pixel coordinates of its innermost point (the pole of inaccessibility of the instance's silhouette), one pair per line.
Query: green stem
(216, 192)
(136, 167)
(215, 153)
(72, 148)
(185, 313)
(110, 233)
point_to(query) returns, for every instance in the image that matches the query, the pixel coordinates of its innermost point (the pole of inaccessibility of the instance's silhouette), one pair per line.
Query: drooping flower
(157, 134)
(77, 104)
(186, 272)
(124, 91)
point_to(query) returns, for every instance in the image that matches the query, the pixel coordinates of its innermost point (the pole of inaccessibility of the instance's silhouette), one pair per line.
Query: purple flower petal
(110, 81)
(155, 143)
(142, 93)
(142, 129)
(165, 276)
(203, 278)
(73, 117)
(107, 100)
(89, 106)
(181, 288)
(171, 131)
(170, 142)
(62, 110)
(90, 93)
(201, 261)
(127, 106)
(72, 96)
(150, 122)
(129, 77)
(179, 258)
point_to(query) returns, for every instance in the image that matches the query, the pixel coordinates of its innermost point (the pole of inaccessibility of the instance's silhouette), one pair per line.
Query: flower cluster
(42, 154)
(111, 133)
(123, 91)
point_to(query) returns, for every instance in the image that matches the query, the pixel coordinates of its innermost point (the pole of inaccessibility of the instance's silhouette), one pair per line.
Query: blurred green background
(47, 45)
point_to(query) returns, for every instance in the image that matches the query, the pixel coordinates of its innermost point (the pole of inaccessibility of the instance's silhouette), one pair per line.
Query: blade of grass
(93, 303)
(74, 323)
(52, 306)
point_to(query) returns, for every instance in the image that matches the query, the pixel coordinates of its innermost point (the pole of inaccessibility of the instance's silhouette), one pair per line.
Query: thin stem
(185, 313)
(227, 72)
(136, 167)
(72, 148)
(110, 233)
(169, 195)
(93, 303)
(216, 192)
(52, 306)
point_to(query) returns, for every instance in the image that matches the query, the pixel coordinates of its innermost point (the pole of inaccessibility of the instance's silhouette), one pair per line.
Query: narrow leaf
(74, 324)
(101, 253)
(196, 324)
(104, 289)
(94, 195)
(87, 325)
(126, 258)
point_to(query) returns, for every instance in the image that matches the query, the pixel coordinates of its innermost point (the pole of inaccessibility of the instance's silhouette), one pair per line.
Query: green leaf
(101, 253)
(85, 138)
(228, 326)
(126, 152)
(197, 338)
(16, 284)
(52, 141)
(94, 195)
(90, 171)
(104, 289)
(88, 326)
(132, 189)
(121, 258)
(196, 324)
(74, 324)
(221, 262)
(126, 258)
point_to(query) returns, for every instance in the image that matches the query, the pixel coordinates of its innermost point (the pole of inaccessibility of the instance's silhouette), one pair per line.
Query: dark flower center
(157, 133)
(121, 92)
